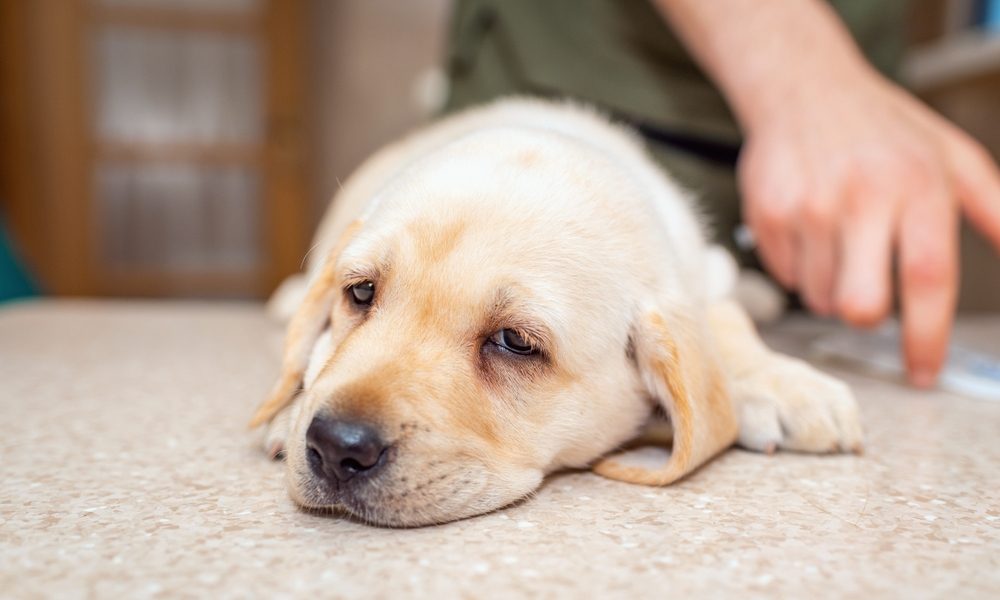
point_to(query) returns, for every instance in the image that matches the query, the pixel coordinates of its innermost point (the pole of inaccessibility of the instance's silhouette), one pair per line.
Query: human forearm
(760, 53)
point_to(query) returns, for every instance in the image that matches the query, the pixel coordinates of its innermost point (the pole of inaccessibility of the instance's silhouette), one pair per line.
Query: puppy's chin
(395, 500)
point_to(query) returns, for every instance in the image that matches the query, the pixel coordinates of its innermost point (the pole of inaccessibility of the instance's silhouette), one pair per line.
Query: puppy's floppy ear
(304, 329)
(681, 371)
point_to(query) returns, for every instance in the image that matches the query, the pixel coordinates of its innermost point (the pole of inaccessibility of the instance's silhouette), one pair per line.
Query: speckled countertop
(127, 471)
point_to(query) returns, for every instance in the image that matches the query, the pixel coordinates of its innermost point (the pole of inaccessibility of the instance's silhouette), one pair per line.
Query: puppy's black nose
(342, 449)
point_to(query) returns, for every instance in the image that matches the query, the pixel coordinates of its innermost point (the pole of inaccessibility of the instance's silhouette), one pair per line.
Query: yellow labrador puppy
(513, 291)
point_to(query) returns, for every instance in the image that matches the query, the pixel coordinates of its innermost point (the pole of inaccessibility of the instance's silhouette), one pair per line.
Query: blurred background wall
(186, 148)
(155, 147)
(374, 71)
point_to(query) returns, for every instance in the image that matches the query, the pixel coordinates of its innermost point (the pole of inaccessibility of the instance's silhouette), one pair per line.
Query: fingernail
(923, 379)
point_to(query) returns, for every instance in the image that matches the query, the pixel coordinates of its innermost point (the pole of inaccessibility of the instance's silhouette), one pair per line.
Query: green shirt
(618, 54)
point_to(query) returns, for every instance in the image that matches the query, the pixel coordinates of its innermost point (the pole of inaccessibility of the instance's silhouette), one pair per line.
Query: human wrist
(768, 57)
(762, 95)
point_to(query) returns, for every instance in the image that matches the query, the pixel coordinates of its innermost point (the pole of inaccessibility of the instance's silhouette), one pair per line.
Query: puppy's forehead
(462, 256)
(477, 210)
(469, 247)
(477, 219)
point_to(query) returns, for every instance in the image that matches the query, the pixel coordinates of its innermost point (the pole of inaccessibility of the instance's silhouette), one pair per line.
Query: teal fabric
(14, 279)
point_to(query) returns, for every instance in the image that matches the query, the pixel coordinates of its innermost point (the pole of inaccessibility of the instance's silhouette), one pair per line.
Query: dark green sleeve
(617, 54)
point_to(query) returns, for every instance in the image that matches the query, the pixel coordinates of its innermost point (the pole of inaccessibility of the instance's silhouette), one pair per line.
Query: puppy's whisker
(306, 256)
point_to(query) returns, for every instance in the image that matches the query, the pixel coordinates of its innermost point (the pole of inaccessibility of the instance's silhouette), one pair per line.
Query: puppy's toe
(807, 426)
(759, 426)
(845, 412)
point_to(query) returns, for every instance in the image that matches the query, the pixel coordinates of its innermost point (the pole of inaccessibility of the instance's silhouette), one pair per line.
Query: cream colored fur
(591, 245)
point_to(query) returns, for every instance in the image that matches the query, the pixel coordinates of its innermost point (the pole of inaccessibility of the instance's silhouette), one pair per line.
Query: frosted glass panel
(240, 6)
(179, 217)
(169, 86)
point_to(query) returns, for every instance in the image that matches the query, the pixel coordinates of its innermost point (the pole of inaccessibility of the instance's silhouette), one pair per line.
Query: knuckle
(889, 171)
(863, 171)
(919, 175)
(927, 269)
(775, 214)
(818, 214)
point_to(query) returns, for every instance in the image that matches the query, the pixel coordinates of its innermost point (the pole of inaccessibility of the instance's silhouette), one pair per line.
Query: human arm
(842, 171)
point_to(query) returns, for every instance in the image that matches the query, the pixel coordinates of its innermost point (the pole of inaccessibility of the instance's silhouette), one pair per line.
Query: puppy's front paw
(791, 405)
(277, 434)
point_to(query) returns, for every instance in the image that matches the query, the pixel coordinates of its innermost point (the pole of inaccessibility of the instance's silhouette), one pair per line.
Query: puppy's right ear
(681, 371)
(304, 329)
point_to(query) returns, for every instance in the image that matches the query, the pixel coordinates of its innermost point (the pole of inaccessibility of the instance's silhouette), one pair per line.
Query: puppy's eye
(362, 293)
(508, 339)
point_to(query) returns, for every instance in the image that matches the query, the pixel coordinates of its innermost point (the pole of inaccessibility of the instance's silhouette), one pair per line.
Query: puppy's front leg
(279, 427)
(782, 402)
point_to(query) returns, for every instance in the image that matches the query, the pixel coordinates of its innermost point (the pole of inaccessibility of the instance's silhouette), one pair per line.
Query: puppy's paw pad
(793, 406)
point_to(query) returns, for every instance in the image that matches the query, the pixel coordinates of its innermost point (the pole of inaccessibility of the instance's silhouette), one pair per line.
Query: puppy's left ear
(681, 371)
(304, 329)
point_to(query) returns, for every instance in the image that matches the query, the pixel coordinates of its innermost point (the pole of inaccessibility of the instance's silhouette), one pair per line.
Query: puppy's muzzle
(338, 450)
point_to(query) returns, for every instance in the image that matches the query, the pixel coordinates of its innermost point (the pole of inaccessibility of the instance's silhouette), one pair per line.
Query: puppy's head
(491, 320)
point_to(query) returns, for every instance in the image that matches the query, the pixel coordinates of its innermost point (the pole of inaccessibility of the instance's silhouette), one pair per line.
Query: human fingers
(818, 241)
(928, 270)
(770, 203)
(864, 284)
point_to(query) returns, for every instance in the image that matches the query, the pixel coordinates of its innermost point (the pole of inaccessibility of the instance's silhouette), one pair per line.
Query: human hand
(843, 173)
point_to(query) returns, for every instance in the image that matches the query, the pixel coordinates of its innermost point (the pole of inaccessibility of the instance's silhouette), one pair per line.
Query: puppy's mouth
(393, 497)
(348, 484)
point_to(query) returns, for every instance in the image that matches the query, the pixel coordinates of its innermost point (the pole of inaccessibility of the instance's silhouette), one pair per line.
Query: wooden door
(155, 147)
